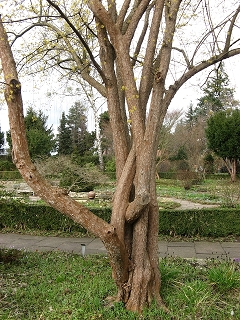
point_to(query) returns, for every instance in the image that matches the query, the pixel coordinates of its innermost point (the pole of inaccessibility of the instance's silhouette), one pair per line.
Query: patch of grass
(10, 256)
(224, 277)
(200, 194)
(168, 205)
(57, 285)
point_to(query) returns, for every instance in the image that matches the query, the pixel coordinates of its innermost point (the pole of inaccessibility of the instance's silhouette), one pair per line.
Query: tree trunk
(232, 168)
(141, 242)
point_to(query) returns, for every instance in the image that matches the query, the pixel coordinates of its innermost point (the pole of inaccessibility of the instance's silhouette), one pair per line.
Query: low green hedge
(214, 222)
(41, 217)
(10, 175)
(202, 222)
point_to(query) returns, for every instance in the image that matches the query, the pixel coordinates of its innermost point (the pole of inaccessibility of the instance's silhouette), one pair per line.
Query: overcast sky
(53, 105)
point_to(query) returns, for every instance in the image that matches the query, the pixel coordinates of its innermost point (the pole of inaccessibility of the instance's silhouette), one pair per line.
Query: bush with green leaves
(71, 175)
(6, 165)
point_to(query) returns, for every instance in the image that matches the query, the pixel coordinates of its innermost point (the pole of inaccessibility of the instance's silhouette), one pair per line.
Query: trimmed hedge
(205, 222)
(214, 222)
(10, 175)
(41, 217)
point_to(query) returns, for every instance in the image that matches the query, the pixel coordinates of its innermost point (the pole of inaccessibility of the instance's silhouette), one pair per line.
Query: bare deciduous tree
(140, 45)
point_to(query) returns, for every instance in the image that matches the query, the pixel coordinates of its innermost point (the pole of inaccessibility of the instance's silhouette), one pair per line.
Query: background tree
(40, 138)
(166, 134)
(218, 96)
(1, 141)
(91, 99)
(223, 132)
(82, 140)
(117, 55)
(64, 140)
(106, 134)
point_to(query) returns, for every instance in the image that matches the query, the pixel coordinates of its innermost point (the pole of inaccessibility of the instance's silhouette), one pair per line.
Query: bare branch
(150, 52)
(189, 66)
(84, 43)
(230, 30)
(196, 69)
(123, 13)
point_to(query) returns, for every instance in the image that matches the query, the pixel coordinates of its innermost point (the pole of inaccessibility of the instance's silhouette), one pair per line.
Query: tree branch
(84, 43)
(230, 29)
(195, 69)
(146, 76)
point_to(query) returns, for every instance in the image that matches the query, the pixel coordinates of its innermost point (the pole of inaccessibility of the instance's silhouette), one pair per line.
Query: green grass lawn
(208, 191)
(67, 286)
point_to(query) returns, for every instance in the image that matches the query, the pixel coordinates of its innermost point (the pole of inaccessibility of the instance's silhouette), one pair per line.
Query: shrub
(20, 216)
(71, 175)
(6, 165)
(10, 175)
(214, 222)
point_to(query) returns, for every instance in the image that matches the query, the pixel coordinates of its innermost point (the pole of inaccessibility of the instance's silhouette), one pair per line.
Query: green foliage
(73, 137)
(214, 222)
(10, 175)
(224, 277)
(110, 165)
(217, 95)
(110, 168)
(180, 155)
(7, 165)
(1, 140)
(64, 140)
(20, 216)
(190, 116)
(40, 139)
(87, 159)
(223, 132)
(208, 163)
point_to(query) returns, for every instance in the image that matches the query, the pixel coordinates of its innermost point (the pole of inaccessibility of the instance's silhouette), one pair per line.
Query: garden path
(186, 204)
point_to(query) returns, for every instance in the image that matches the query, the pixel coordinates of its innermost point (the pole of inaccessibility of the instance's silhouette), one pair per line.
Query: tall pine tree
(40, 138)
(218, 96)
(64, 139)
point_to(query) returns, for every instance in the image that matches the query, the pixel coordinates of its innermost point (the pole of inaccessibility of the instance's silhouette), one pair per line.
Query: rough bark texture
(136, 110)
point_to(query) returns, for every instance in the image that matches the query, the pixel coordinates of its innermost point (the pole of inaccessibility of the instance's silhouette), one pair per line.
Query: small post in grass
(83, 249)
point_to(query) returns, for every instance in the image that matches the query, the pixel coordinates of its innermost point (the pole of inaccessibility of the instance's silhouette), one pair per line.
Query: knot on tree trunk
(136, 207)
(13, 89)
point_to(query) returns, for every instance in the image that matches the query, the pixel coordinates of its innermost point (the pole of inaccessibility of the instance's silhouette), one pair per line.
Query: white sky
(54, 105)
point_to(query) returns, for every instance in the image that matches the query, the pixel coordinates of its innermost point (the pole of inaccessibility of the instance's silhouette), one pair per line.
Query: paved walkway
(85, 246)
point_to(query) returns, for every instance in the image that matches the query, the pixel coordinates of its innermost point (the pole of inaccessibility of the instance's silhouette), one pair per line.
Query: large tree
(223, 133)
(129, 55)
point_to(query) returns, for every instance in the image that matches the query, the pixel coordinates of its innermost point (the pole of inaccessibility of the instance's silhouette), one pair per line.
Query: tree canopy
(64, 141)
(137, 54)
(217, 95)
(223, 133)
(73, 135)
(40, 138)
